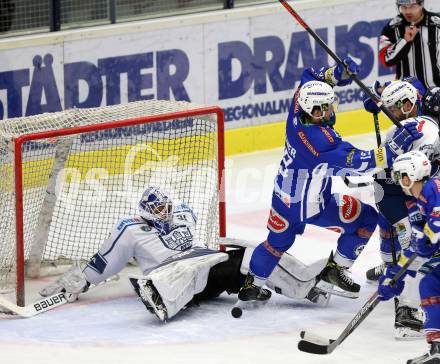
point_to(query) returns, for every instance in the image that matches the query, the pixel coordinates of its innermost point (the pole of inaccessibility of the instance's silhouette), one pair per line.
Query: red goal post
(74, 173)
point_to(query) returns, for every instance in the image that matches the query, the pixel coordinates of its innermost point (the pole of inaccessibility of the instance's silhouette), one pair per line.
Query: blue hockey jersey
(429, 207)
(313, 153)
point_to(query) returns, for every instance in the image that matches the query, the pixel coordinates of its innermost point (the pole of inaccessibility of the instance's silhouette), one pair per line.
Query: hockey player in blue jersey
(396, 210)
(412, 170)
(302, 192)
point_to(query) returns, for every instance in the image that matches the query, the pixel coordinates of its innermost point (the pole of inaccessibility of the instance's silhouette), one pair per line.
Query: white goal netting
(79, 179)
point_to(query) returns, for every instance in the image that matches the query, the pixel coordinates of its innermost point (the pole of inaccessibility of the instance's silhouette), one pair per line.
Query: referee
(411, 42)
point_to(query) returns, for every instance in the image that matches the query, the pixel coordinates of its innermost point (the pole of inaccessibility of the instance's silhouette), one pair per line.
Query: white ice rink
(109, 325)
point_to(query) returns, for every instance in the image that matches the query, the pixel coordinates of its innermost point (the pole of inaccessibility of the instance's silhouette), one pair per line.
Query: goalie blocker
(199, 274)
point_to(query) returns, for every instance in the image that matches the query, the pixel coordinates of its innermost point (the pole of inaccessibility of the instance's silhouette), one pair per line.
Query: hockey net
(66, 178)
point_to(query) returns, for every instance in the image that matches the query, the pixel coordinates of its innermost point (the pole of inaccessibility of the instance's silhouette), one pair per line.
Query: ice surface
(109, 325)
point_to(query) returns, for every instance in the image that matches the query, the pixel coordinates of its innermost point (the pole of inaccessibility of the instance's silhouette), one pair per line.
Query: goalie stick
(44, 304)
(316, 344)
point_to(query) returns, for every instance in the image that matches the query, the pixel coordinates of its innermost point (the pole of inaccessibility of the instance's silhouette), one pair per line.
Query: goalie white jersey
(135, 237)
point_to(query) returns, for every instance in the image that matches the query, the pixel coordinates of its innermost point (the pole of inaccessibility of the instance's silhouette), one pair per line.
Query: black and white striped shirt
(419, 58)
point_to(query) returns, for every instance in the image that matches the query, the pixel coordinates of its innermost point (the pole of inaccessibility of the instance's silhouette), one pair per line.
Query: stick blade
(314, 348)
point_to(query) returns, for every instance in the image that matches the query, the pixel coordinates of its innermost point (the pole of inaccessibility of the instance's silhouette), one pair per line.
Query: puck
(236, 312)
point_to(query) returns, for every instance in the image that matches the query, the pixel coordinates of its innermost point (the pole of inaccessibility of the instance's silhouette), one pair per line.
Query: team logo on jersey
(336, 229)
(276, 222)
(308, 145)
(349, 209)
(327, 135)
(179, 238)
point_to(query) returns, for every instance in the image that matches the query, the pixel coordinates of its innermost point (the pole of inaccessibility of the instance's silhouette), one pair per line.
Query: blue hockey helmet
(431, 102)
(155, 205)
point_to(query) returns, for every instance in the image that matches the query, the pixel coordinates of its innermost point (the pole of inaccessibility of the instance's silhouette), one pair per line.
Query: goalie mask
(318, 95)
(156, 206)
(415, 165)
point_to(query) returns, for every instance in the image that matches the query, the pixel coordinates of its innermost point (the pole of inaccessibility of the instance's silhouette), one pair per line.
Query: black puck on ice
(236, 312)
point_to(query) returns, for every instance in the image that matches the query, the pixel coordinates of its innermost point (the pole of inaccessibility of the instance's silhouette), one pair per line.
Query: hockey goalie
(178, 271)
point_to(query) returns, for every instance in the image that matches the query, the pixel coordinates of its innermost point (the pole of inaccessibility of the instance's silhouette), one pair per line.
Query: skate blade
(336, 291)
(407, 334)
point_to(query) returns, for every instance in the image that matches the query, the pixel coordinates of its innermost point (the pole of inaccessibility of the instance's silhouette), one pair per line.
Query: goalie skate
(150, 297)
(318, 296)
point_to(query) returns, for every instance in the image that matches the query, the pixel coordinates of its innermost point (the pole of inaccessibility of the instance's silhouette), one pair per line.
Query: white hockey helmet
(316, 94)
(155, 205)
(408, 2)
(397, 92)
(414, 164)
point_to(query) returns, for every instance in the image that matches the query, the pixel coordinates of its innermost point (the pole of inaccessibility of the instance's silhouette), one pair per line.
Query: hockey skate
(150, 297)
(334, 279)
(408, 324)
(374, 273)
(318, 296)
(251, 292)
(432, 357)
(250, 295)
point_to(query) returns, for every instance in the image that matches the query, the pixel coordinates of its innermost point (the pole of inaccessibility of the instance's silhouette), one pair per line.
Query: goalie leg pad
(291, 277)
(177, 282)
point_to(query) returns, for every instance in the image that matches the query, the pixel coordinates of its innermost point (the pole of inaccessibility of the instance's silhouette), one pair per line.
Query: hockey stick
(394, 257)
(315, 344)
(45, 303)
(339, 60)
(346, 180)
(377, 129)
